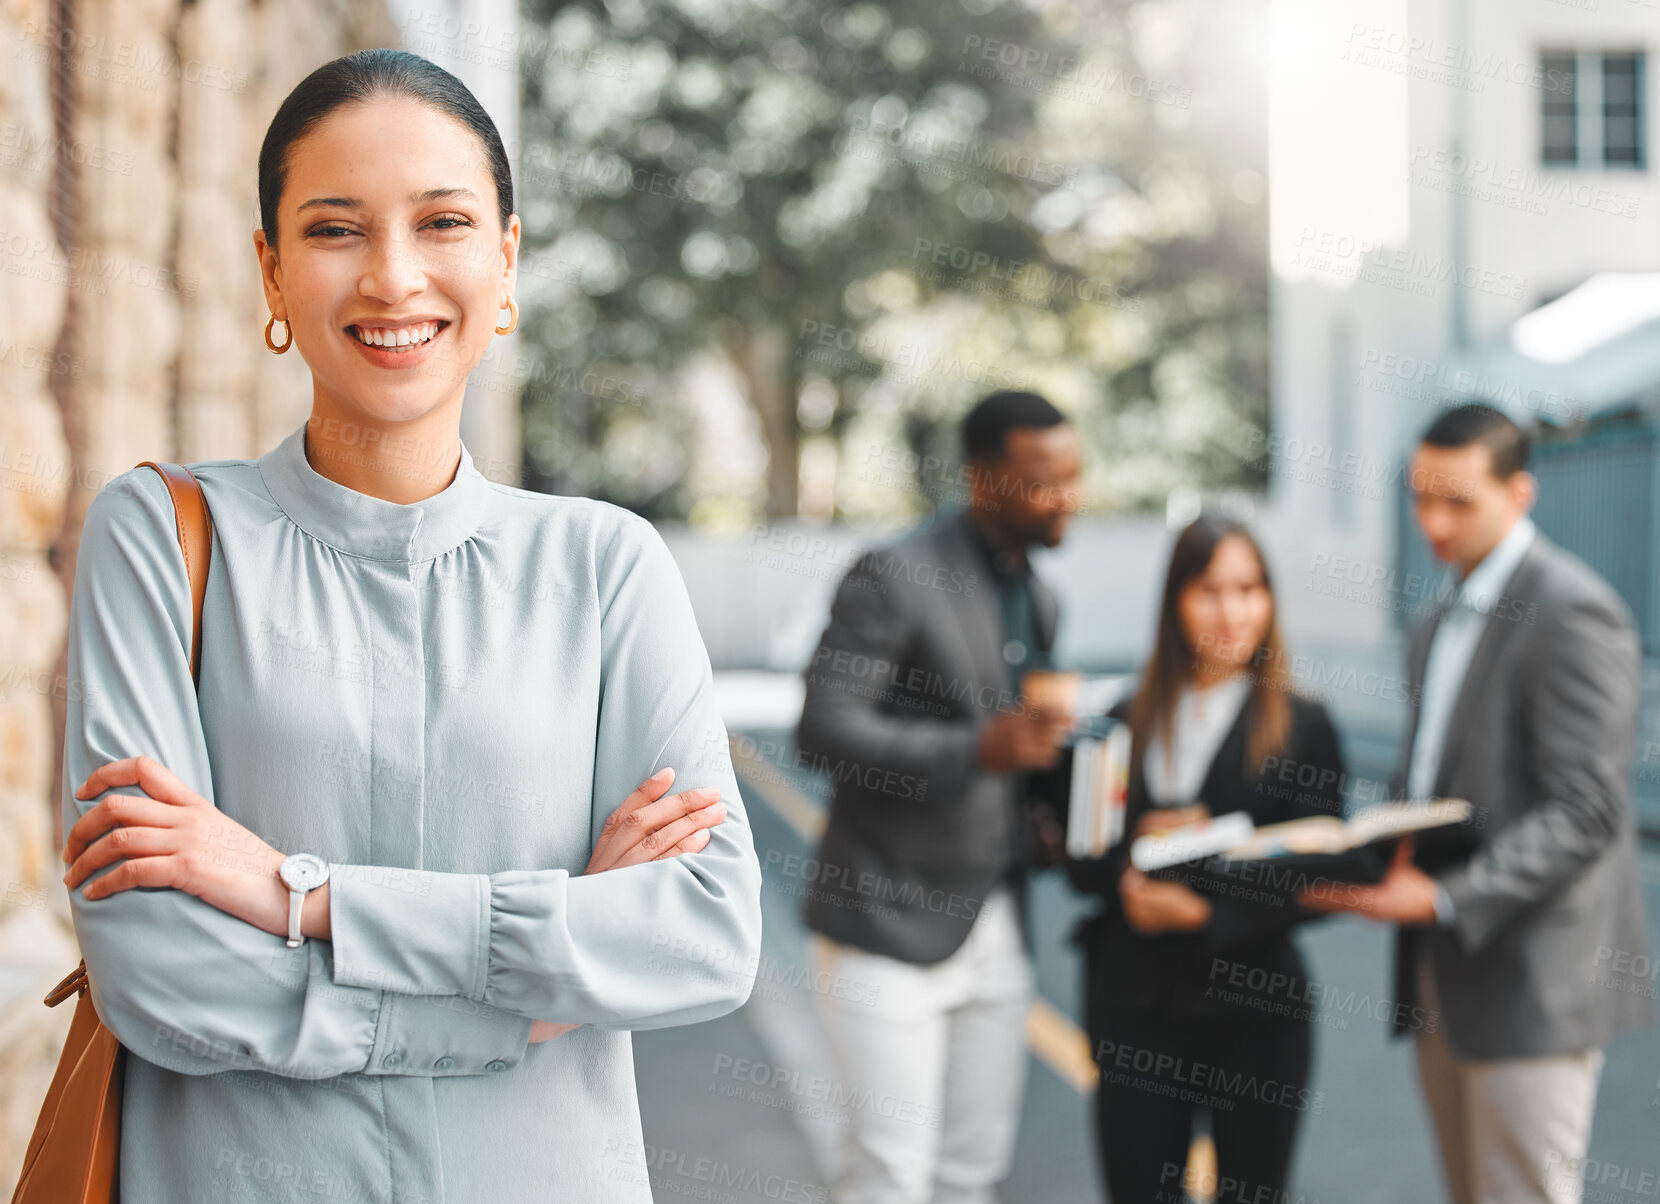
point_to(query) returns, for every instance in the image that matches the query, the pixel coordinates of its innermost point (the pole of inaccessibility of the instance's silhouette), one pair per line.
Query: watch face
(304, 871)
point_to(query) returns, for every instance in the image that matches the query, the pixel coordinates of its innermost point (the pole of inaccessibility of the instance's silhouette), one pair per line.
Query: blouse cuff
(412, 932)
(438, 1036)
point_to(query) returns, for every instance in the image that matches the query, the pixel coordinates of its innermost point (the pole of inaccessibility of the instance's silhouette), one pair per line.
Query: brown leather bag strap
(74, 984)
(195, 528)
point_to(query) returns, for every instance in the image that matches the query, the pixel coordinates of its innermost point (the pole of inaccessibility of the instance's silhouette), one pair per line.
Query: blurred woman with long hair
(1193, 987)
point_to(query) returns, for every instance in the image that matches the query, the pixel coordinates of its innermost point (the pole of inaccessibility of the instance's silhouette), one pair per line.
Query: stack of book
(1100, 779)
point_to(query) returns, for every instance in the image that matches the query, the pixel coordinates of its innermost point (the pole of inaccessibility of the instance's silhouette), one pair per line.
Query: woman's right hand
(652, 826)
(1152, 907)
(649, 826)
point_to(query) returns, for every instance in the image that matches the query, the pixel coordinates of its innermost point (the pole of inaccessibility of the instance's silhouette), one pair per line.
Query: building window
(1622, 109)
(1561, 143)
(1592, 109)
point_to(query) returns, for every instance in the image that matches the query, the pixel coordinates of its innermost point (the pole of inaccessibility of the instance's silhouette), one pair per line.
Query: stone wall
(35, 372)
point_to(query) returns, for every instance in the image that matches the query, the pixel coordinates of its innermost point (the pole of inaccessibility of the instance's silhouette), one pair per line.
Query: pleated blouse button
(444, 1063)
(498, 1064)
(391, 1060)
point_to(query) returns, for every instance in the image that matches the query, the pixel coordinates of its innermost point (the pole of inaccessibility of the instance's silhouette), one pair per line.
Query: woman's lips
(406, 356)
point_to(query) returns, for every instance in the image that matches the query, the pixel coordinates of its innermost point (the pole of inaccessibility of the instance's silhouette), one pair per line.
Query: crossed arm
(167, 835)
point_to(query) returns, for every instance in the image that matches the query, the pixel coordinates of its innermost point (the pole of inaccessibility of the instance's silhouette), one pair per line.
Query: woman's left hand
(172, 836)
(1152, 906)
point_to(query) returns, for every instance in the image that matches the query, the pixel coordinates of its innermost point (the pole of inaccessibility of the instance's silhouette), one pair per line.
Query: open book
(1235, 838)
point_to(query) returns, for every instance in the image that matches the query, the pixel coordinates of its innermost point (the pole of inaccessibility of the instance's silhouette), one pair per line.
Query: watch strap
(296, 902)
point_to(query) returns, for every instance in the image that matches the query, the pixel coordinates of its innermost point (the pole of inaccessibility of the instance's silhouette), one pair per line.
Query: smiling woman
(407, 858)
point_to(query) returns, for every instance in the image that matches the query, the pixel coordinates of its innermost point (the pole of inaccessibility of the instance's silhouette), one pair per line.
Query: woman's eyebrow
(415, 198)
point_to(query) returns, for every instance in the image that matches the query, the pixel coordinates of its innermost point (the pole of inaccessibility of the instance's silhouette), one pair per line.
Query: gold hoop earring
(512, 322)
(288, 341)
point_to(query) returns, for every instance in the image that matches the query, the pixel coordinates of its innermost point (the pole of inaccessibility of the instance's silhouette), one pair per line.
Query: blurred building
(1463, 210)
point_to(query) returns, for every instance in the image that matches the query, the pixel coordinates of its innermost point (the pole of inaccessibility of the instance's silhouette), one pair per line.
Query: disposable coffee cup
(1053, 694)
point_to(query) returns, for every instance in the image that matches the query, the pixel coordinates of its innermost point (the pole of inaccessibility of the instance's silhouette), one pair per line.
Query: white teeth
(407, 336)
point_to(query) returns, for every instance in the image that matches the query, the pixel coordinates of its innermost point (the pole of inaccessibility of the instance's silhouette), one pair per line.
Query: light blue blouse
(444, 700)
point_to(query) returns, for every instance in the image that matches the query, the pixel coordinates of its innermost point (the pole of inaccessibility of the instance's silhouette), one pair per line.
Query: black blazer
(1207, 975)
(906, 674)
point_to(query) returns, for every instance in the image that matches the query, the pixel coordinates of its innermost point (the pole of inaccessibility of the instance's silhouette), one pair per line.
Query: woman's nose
(394, 269)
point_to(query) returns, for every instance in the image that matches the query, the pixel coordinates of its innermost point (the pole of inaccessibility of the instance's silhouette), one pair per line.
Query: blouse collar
(1200, 727)
(371, 527)
(1224, 698)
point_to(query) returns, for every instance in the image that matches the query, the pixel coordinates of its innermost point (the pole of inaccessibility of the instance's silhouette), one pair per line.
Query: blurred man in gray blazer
(913, 706)
(1527, 685)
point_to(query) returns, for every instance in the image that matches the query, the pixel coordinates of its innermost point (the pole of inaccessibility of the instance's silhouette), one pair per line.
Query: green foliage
(877, 214)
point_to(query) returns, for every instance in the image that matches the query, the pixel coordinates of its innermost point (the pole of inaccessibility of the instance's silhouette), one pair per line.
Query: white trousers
(933, 1062)
(1514, 1131)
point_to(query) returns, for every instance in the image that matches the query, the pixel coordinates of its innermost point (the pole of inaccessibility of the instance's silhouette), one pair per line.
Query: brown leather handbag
(74, 1153)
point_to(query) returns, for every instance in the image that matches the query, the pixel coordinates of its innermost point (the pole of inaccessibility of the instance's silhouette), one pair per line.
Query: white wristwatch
(302, 873)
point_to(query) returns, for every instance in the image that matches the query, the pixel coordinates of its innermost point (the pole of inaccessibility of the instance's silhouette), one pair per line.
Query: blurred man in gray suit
(1527, 687)
(913, 706)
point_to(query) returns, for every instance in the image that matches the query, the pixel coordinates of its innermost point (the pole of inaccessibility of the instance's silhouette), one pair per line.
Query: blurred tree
(912, 203)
